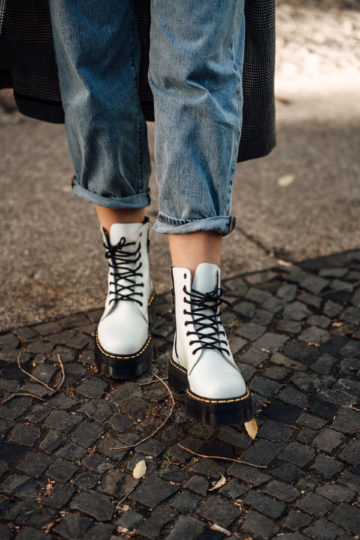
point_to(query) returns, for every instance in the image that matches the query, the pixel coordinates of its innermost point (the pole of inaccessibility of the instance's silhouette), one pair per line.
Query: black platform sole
(119, 366)
(122, 366)
(214, 412)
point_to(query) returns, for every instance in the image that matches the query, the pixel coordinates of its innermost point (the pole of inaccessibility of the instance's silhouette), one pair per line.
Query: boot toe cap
(219, 387)
(121, 341)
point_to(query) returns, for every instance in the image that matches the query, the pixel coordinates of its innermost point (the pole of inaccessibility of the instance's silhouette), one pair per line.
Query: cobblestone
(219, 511)
(93, 504)
(264, 504)
(314, 505)
(259, 525)
(326, 466)
(186, 527)
(322, 529)
(298, 454)
(348, 517)
(297, 520)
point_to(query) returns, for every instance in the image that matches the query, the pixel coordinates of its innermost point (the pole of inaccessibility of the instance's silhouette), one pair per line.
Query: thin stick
(123, 499)
(160, 426)
(353, 408)
(151, 382)
(221, 457)
(21, 394)
(31, 376)
(29, 394)
(62, 378)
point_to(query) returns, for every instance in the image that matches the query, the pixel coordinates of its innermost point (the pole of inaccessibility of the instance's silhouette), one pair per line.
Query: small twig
(160, 426)
(151, 382)
(29, 394)
(30, 375)
(353, 408)
(21, 394)
(62, 377)
(123, 499)
(221, 457)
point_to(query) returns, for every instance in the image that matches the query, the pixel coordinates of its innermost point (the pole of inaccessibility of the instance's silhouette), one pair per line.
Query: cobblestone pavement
(295, 333)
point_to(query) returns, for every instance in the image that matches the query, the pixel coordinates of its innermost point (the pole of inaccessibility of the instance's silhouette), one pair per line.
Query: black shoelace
(123, 274)
(200, 303)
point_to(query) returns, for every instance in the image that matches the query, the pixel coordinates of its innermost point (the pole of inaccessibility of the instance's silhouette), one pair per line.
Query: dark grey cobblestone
(259, 525)
(264, 504)
(217, 510)
(62, 476)
(94, 504)
(315, 505)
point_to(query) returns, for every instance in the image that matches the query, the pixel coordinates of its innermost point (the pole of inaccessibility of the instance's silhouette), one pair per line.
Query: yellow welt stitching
(120, 356)
(151, 299)
(218, 400)
(208, 400)
(180, 368)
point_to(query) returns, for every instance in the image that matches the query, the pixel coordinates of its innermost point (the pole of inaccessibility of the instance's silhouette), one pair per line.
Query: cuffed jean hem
(168, 225)
(139, 200)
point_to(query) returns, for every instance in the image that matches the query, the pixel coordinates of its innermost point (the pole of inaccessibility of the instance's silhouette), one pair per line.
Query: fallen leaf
(139, 469)
(218, 528)
(286, 180)
(219, 483)
(251, 428)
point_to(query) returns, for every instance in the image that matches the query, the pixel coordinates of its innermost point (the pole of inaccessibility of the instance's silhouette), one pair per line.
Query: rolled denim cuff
(139, 200)
(220, 224)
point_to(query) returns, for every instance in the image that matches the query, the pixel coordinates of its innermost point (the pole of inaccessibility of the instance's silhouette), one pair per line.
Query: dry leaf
(251, 428)
(219, 483)
(337, 323)
(139, 469)
(286, 180)
(218, 528)
(284, 263)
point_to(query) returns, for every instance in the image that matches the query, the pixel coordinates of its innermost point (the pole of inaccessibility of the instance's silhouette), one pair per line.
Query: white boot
(123, 341)
(202, 363)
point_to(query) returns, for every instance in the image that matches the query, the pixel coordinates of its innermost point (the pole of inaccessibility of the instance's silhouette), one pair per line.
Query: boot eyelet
(184, 276)
(184, 312)
(187, 333)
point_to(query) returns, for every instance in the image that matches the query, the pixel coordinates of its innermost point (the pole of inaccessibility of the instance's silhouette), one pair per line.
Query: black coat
(27, 64)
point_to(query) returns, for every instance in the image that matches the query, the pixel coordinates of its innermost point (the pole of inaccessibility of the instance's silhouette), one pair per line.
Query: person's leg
(108, 216)
(98, 56)
(196, 55)
(190, 250)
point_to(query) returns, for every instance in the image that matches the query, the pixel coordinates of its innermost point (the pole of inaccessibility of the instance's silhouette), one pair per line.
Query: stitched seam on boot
(218, 400)
(122, 357)
(177, 366)
(209, 400)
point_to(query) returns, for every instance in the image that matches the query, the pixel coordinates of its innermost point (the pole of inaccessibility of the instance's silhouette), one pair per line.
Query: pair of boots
(202, 365)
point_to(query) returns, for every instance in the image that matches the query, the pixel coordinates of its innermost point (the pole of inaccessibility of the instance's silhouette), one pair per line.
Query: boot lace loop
(207, 324)
(123, 263)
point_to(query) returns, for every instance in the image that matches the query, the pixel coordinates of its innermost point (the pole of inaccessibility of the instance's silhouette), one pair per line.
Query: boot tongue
(128, 230)
(206, 277)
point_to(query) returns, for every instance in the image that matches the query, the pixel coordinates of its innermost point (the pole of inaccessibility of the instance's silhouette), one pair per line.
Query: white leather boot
(202, 364)
(123, 341)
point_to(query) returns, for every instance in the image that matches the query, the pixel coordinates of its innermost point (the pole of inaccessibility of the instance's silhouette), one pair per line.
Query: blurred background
(301, 201)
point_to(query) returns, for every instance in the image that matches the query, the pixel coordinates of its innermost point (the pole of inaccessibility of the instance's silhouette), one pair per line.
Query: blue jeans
(195, 74)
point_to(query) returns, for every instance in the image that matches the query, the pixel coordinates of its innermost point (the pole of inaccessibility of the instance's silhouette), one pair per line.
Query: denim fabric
(195, 74)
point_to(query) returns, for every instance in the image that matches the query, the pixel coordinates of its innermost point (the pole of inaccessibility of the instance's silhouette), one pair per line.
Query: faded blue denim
(195, 74)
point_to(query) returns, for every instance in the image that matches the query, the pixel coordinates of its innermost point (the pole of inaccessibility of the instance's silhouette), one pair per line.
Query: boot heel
(177, 378)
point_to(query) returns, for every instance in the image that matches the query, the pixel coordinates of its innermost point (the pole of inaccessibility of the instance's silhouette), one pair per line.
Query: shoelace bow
(200, 303)
(120, 261)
